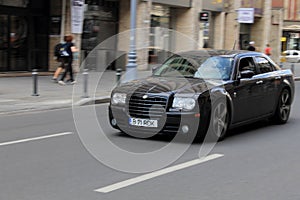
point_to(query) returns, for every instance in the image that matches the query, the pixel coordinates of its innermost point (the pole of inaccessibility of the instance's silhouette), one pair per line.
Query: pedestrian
(251, 46)
(57, 54)
(67, 59)
(58, 70)
(268, 50)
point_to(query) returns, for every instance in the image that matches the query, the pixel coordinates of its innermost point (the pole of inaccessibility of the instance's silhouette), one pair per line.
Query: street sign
(204, 16)
(246, 15)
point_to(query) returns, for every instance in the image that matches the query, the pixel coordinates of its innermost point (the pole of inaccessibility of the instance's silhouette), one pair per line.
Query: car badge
(145, 96)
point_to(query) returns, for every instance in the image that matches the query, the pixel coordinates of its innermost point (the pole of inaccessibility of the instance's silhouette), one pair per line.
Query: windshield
(215, 68)
(206, 67)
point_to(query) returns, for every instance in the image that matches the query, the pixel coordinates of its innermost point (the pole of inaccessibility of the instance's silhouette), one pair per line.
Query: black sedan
(203, 93)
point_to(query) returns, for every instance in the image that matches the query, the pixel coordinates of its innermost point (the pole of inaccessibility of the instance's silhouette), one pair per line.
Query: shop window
(100, 22)
(15, 3)
(159, 36)
(55, 25)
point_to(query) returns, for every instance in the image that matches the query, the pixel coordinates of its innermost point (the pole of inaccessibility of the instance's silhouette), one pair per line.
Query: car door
(247, 92)
(270, 81)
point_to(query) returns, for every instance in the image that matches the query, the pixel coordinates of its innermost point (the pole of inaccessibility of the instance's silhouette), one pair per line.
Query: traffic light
(204, 16)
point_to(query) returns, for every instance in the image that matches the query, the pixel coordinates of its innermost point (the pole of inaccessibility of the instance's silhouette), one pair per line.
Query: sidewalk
(17, 89)
(16, 93)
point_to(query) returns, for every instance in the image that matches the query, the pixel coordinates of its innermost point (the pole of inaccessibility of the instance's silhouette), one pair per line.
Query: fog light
(185, 129)
(114, 122)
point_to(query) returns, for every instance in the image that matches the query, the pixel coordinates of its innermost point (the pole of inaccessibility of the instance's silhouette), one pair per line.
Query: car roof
(291, 50)
(213, 52)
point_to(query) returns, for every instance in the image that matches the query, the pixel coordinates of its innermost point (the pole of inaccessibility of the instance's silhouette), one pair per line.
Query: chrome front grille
(147, 107)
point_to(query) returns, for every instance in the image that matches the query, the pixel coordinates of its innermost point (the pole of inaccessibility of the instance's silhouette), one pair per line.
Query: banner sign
(77, 15)
(246, 15)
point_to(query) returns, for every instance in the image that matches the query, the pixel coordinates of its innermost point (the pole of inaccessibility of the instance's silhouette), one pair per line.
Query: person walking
(68, 48)
(58, 70)
(268, 50)
(60, 67)
(251, 46)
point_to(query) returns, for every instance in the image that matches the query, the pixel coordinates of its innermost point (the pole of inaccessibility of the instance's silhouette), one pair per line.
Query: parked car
(292, 56)
(203, 93)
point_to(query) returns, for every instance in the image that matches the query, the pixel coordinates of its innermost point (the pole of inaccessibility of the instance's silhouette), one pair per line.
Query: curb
(91, 101)
(23, 74)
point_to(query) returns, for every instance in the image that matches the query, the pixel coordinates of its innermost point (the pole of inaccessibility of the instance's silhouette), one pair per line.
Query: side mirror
(247, 74)
(154, 68)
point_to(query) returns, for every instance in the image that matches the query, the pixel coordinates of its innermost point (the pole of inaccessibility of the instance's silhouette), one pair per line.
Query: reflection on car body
(203, 93)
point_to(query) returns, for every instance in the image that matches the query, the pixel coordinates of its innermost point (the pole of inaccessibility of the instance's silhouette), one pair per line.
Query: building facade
(27, 39)
(291, 24)
(24, 35)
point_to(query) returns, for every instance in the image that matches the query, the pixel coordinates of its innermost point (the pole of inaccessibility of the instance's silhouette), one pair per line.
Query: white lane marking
(151, 175)
(35, 138)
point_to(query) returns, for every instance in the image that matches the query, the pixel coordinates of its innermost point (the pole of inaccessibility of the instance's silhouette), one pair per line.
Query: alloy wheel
(220, 120)
(284, 107)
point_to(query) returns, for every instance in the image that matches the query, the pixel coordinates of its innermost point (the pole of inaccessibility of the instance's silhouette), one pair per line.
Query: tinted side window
(246, 63)
(264, 66)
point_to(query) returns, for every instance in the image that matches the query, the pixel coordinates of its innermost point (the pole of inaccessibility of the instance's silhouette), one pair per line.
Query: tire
(283, 108)
(219, 121)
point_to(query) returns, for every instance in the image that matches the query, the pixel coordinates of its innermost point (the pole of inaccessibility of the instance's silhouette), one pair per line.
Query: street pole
(35, 82)
(85, 83)
(131, 67)
(63, 19)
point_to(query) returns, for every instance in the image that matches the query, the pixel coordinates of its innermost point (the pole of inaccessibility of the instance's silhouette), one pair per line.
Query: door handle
(259, 82)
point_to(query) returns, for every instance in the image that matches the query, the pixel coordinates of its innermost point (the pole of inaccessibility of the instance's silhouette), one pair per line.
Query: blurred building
(24, 34)
(291, 24)
(29, 29)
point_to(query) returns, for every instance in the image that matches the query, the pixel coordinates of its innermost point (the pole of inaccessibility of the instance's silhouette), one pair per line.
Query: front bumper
(171, 123)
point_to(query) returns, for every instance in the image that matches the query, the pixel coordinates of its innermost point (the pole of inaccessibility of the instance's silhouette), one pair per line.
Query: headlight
(118, 98)
(184, 103)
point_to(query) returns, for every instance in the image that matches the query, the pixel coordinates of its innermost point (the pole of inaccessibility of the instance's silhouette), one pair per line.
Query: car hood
(155, 85)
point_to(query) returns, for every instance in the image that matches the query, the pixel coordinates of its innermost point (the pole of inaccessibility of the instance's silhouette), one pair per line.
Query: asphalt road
(43, 158)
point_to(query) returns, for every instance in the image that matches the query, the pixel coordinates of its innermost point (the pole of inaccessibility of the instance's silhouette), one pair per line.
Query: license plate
(143, 122)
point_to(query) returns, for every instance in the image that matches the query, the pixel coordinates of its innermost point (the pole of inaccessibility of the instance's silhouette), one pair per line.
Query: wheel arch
(222, 92)
(289, 86)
